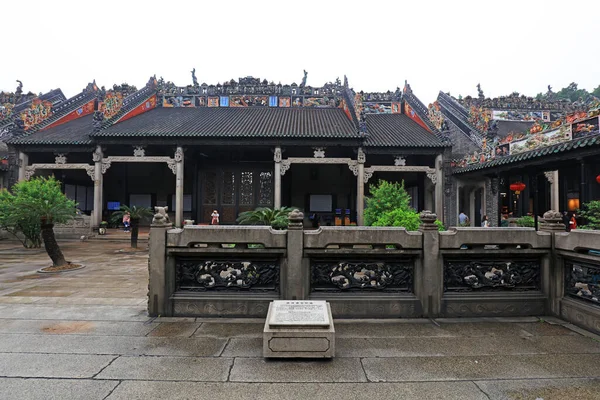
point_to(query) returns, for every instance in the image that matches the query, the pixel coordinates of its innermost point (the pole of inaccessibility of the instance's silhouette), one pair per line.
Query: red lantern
(517, 187)
(598, 179)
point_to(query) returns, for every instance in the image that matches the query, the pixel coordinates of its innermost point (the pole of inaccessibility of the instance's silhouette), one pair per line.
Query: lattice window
(247, 188)
(209, 195)
(265, 190)
(228, 187)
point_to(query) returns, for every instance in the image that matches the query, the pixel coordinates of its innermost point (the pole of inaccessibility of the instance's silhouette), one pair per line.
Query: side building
(507, 152)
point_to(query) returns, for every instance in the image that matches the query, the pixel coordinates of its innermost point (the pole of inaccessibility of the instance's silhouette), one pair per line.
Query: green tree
(572, 92)
(591, 215)
(135, 214)
(596, 92)
(15, 222)
(275, 217)
(385, 197)
(38, 202)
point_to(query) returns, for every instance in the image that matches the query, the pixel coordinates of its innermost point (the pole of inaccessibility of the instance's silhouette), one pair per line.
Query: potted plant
(102, 228)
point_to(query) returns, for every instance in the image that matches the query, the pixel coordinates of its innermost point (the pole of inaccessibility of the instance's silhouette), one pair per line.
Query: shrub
(440, 225)
(526, 222)
(274, 217)
(385, 197)
(591, 215)
(408, 219)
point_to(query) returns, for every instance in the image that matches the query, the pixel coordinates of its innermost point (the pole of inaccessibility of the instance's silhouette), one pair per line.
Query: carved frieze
(171, 162)
(138, 151)
(30, 169)
(227, 275)
(399, 161)
(335, 276)
(582, 281)
(398, 168)
(361, 157)
(469, 275)
(549, 176)
(319, 152)
(60, 159)
(285, 165)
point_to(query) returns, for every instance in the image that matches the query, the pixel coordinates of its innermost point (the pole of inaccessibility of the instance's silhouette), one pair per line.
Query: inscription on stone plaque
(299, 313)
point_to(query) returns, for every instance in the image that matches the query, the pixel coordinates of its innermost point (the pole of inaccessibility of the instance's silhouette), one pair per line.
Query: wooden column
(360, 188)
(179, 187)
(277, 173)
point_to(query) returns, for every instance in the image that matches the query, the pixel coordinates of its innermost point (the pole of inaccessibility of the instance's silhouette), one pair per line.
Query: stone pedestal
(299, 329)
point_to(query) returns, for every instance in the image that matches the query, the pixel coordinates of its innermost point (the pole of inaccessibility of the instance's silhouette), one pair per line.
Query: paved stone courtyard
(85, 335)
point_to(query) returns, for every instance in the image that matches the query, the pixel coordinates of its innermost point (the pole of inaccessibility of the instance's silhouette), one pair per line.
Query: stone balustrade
(367, 272)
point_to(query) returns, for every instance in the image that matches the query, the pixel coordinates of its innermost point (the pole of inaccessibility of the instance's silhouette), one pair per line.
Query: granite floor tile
(481, 368)
(261, 370)
(169, 368)
(54, 389)
(52, 365)
(143, 390)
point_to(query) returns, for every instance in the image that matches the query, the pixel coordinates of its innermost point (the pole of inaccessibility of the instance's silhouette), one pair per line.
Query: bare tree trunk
(135, 222)
(56, 255)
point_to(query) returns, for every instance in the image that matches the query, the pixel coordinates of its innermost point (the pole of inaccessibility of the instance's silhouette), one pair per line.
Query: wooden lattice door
(231, 191)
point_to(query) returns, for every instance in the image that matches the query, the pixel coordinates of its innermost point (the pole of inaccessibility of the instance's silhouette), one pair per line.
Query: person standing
(573, 222)
(462, 218)
(484, 222)
(126, 222)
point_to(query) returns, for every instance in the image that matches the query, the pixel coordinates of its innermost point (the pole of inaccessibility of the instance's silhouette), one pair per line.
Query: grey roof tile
(398, 130)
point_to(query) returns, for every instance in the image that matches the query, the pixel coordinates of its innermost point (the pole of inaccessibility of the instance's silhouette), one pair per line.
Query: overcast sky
(443, 45)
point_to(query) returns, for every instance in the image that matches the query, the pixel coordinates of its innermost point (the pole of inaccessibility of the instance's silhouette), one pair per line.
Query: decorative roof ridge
(508, 159)
(132, 101)
(64, 108)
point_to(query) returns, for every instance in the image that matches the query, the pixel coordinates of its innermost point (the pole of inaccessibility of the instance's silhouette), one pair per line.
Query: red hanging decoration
(517, 186)
(598, 179)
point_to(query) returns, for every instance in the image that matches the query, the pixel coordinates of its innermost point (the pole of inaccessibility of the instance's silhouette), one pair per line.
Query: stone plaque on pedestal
(299, 329)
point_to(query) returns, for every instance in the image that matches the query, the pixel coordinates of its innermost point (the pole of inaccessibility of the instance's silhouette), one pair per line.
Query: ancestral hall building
(242, 144)
(230, 147)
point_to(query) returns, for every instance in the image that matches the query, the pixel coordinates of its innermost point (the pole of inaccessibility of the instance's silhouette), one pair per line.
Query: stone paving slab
(84, 313)
(55, 389)
(547, 389)
(117, 345)
(175, 329)
(129, 390)
(464, 346)
(54, 327)
(52, 365)
(235, 329)
(435, 346)
(261, 370)
(169, 368)
(481, 368)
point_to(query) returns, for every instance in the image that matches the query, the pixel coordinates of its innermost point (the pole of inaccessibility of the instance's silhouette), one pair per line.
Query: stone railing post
(158, 296)
(179, 187)
(553, 223)
(433, 270)
(295, 277)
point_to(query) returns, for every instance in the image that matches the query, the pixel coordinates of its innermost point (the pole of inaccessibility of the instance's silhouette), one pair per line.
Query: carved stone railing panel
(362, 276)
(198, 275)
(582, 281)
(193, 235)
(349, 236)
(490, 276)
(457, 238)
(578, 240)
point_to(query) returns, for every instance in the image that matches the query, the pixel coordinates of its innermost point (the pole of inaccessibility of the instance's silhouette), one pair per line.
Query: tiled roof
(588, 141)
(244, 122)
(74, 132)
(398, 130)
